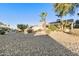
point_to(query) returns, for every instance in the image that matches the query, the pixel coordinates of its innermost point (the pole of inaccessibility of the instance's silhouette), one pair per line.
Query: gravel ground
(69, 41)
(19, 44)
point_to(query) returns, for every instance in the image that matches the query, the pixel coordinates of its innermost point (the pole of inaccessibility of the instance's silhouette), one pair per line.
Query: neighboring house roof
(53, 22)
(68, 20)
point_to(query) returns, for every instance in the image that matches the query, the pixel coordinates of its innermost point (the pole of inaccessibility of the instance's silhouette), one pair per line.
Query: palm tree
(63, 9)
(43, 19)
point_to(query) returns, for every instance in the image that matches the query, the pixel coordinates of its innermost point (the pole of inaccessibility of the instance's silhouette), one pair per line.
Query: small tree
(22, 26)
(43, 19)
(62, 9)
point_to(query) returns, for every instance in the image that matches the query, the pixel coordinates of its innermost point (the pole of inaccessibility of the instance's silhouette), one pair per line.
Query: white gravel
(19, 44)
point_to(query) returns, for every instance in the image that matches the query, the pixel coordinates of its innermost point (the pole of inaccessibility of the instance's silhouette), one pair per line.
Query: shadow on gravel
(29, 45)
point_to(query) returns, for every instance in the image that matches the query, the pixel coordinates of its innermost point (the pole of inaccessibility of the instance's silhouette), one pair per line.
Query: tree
(63, 9)
(22, 26)
(43, 19)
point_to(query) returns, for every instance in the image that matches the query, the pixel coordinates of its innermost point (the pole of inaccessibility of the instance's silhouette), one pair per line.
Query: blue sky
(28, 13)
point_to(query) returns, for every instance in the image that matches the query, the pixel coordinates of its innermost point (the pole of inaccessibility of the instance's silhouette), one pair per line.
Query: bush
(52, 27)
(29, 30)
(2, 32)
(22, 27)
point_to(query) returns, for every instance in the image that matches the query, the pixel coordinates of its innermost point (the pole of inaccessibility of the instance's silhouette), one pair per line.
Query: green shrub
(22, 27)
(2, 32)
(52, 27)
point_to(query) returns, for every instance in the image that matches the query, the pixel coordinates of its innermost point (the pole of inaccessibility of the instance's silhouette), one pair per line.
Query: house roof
(53, 22)
(69, 20)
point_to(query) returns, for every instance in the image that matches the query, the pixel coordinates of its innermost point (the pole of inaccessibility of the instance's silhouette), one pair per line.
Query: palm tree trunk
(62, 24)
(44, 25)
(72, 26)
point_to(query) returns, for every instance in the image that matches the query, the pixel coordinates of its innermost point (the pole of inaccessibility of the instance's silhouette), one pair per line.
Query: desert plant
(22, 26)
(2, 32)
(43, 19)
(29, 30)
